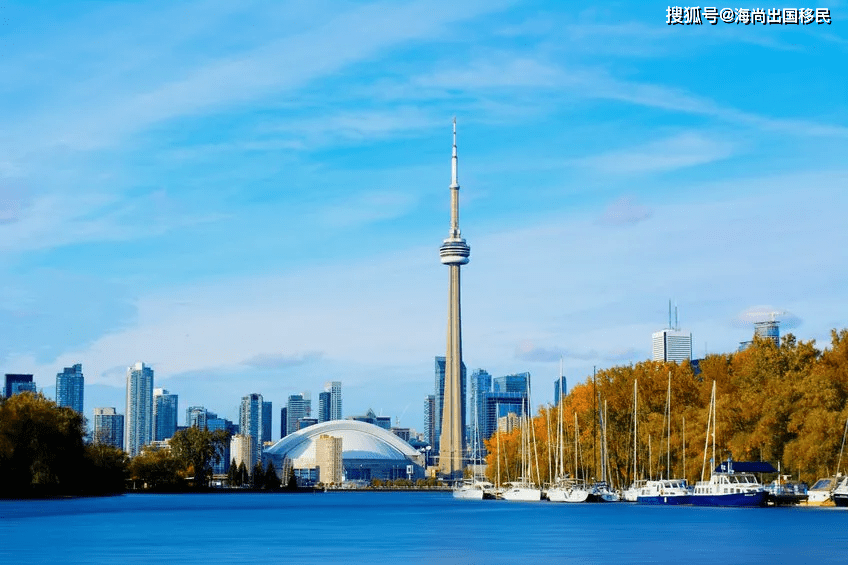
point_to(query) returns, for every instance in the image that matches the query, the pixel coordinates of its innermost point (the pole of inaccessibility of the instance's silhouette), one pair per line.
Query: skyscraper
(481, 383)
(16, 383)
(109, 427)
(139, 420)
(430, 419)
(69, 388)
(250, 423)
(196, 417)
(266, 421)
(519, 382)
(323, 406)
(440, 399)
(164, 414)
(454, 253)
(335, 390)
(284, 422)
(671, 344)
(298, 406)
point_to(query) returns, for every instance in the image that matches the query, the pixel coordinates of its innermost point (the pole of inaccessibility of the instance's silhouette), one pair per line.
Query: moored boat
(785, 492)
(471, 490)
(665, 492)
(522, 491)
(840, 494)
(821, 493)
(568, 491)
(727, 487)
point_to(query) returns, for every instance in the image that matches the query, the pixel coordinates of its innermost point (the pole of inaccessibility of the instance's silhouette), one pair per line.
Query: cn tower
(454, 253)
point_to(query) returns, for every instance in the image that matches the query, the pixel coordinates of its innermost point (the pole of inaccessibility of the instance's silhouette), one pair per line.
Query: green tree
(232, 474)
(106, 469)
(198, 450)
(41, 447)
(157, 469)
(243, 477)
(270, 479)
(256, 475)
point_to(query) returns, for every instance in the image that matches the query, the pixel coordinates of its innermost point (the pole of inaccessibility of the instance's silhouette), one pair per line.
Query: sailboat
(524, 490)
(666, 491)
(725, 487)
(473, 488)
(632, 492)
(569, 489)
(601, 491)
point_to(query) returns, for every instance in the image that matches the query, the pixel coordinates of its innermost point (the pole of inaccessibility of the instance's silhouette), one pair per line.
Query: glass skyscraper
(164, 414)
(298, 406)
(109, 427)
(139, 420)
(251, 423)
(69, 388)
(481, 383)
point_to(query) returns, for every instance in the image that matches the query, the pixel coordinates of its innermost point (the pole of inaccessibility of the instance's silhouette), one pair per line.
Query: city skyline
(245, 218)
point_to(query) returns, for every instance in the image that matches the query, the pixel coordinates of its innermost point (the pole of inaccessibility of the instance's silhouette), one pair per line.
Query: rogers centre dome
(368, 451)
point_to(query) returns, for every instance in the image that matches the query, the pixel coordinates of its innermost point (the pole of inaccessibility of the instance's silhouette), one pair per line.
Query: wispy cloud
(281, 360)
(625, 211)
(679, 151)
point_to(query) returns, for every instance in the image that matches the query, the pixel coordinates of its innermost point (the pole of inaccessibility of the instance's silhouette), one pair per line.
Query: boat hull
(522, 494)
(665, 500)
(468, 494)
(567, 495)
(840, 500)
(741, 499)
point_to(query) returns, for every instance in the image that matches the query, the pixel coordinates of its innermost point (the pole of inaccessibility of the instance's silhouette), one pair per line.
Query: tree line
(43, 452)
(784, 404)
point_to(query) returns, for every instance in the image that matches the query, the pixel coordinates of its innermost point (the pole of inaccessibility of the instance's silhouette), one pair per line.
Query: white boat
(522, 491)
(665, 492)
(471, 490)
(631, 493)
(821, 493)
(840, 494)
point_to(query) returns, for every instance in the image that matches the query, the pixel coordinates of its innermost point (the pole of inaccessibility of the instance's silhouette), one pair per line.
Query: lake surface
(392, 527)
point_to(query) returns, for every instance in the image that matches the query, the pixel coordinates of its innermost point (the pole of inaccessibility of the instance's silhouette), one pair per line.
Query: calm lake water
(392, 527)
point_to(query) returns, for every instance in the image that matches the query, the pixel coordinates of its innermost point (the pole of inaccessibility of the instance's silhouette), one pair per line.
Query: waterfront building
(243, 450)
(70, 385)
(439, 400)
(214, 423)
(328, 459)
(454, 253)
(16, 383)
(109, 427)
(139, 419)
(368, 452)
(164, 414)
(298, 406)
(250, 422)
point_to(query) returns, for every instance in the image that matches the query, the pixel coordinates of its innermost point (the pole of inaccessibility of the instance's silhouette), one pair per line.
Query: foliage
(157, 469)
(198, 450)
(786, 404)
(270, 480)
(42, 452)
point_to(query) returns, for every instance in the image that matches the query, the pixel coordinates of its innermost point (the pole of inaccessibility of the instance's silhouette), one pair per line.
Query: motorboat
(821, 493)
(665, 492)
(727, 487)
(840, 494)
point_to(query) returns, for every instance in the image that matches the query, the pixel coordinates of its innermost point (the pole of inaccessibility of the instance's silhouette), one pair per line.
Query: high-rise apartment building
(251, 414)
(164, 414)
(109, 427)
(139, 420)
(328, 458)
(298, 406)
(16, 383)
(242, 450)
(440, 399)
(69, 388)
(196, 417)
(335, 390)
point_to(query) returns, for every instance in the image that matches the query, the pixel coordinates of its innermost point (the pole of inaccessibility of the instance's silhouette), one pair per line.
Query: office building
(298, 406)
(266, 421)
(243, 450)
(139, 420)
(16, 383)
(196, 417)
(481, 383)
(371, 417)
(560, 389)
(324, 406)
(164, 414)
(214, 423)
(498, 405)
(519, 382)
(672, 345)
(251, 423)
(430, 418)
(109, 427)
(328, 458)
(284, 422)
(70, 385)
(440, 387)
(306, 422)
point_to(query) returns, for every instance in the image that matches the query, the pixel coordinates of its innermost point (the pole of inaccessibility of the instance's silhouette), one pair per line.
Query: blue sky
(250, 196)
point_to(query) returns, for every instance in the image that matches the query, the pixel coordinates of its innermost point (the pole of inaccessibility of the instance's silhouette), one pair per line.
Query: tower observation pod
(454, 253)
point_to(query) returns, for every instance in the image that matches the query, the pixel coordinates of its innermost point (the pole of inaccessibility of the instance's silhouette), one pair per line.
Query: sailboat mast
(668, 435)
(635, 419)
(594, 422)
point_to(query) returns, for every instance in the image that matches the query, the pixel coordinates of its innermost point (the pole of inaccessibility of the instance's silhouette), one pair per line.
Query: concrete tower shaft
(454, 252)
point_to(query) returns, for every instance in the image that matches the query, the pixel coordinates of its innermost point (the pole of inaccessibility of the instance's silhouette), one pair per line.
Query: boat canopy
(745, 467)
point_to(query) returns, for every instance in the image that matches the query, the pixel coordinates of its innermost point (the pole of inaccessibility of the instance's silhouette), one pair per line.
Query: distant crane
(766, 321)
